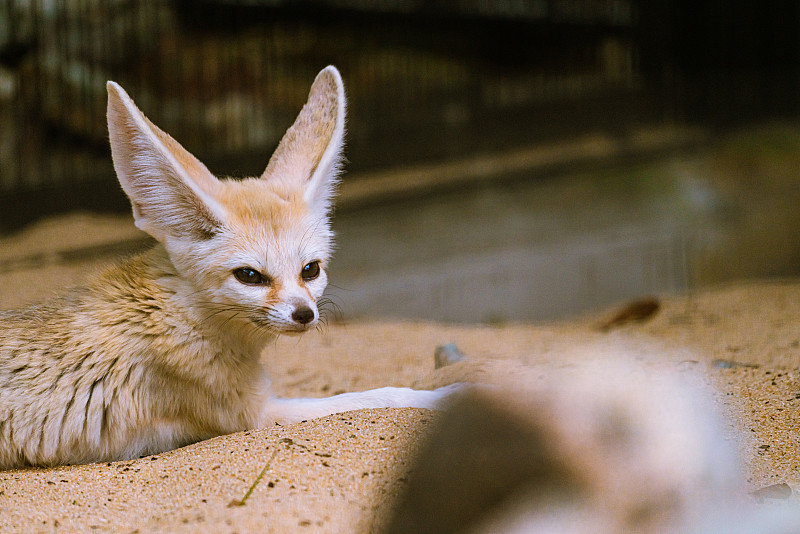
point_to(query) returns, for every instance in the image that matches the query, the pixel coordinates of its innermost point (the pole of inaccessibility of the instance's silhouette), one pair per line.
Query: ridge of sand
(340, 473)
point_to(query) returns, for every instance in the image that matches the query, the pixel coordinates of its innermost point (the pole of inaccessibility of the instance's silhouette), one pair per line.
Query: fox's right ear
(172, 193)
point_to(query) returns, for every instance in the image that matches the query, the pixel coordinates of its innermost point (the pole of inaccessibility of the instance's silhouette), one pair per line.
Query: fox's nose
(303, 315)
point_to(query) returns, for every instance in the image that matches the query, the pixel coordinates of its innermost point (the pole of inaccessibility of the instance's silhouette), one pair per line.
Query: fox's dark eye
(249, 276)
(310, 271)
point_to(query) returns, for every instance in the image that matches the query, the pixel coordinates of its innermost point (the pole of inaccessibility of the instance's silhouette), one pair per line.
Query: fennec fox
(163, 349)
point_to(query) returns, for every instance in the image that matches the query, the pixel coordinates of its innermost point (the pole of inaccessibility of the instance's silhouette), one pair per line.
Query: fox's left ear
(308, 158)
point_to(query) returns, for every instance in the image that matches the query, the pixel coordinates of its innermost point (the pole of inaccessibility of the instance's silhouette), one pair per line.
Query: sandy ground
(341, 473)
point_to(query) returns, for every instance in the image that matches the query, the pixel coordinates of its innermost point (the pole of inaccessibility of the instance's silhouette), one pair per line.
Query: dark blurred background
(509, 160)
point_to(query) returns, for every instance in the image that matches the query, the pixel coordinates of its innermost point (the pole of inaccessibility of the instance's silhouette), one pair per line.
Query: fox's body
(163, 349)
(93, 374)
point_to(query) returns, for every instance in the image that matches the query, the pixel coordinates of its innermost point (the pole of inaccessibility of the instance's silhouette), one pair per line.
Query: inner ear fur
(308, 159)
(172, 193)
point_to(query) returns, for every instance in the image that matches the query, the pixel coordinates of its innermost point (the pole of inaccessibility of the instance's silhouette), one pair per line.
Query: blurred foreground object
(602, 448)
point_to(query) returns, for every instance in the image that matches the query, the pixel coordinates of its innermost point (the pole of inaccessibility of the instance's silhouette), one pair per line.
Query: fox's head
(253, 250)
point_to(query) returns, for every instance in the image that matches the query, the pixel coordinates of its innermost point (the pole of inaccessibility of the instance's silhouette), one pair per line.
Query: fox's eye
(310, 271)
(249, 276)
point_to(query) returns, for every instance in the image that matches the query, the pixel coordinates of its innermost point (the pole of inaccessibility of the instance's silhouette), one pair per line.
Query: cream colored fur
(163, 349)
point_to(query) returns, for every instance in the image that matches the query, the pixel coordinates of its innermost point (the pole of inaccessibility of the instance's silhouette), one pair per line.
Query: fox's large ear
(309, 156)
(171, 192)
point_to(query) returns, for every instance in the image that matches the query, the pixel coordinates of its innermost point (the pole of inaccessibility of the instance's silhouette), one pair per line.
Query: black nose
(303, 315)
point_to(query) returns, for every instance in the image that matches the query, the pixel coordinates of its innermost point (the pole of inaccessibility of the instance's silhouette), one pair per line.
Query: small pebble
(637, 311)
(447, 354)
(776, 491)
(730, 364)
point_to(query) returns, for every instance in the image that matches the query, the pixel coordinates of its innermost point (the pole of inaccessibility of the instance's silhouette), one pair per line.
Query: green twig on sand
(237, 502)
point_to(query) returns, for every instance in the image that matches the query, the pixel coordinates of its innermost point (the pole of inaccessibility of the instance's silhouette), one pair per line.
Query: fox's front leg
(295, 410)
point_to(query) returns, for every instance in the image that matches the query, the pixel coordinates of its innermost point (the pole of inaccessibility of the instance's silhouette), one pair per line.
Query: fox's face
(270, 258)
(266, 262)
(254, 251)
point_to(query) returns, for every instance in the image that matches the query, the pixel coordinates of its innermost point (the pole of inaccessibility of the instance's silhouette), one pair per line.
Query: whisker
(262, 318)
(339, 287)
(327, 306)
(305, 240)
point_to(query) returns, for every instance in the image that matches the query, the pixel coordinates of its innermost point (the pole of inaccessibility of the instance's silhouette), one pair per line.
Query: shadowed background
(509, 161)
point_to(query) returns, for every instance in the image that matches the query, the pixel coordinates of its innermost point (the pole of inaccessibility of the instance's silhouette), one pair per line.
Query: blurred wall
(427, 81)
(517, 160)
